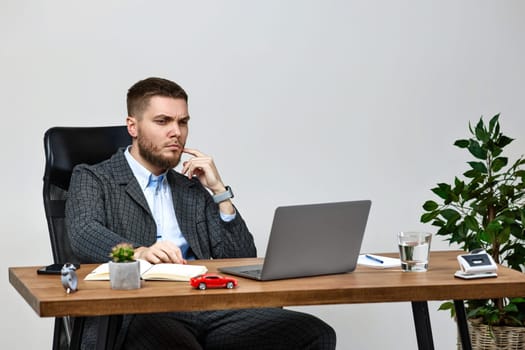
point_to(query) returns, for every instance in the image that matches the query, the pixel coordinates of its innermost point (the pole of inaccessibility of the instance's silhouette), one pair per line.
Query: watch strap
(221, 197)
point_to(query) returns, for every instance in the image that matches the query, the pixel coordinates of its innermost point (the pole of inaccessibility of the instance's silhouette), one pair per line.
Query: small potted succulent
(124, 270)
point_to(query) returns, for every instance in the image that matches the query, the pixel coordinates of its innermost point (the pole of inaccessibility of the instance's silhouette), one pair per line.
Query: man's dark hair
(140, 93)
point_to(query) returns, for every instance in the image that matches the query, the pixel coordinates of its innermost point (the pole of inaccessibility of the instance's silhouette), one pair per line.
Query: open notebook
(148, 271)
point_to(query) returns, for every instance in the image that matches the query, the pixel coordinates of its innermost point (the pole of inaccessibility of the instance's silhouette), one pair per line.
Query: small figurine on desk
(69, 278)
(205, 281)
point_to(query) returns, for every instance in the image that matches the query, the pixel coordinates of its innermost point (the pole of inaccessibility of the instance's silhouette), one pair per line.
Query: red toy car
(212, 281)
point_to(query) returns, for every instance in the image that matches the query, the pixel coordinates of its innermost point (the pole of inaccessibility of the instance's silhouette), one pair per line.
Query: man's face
(159, 136)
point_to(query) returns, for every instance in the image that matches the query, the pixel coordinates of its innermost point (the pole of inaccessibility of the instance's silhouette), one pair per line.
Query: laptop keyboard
(254, 273)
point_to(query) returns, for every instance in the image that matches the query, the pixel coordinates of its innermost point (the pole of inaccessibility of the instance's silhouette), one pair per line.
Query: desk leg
(423, 327)
(462, 324)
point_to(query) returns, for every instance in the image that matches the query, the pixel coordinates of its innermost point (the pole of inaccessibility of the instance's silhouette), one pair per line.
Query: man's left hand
(203, 167)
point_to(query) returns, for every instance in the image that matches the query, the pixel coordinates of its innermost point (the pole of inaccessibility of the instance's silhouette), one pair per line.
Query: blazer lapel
(124, 177)
(185, 210)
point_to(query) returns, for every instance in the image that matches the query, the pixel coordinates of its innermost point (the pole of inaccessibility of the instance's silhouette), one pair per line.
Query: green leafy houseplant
(122, 252)
(485, 210)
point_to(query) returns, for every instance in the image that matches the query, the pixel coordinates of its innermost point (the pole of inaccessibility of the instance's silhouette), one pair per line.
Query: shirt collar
(142, 174)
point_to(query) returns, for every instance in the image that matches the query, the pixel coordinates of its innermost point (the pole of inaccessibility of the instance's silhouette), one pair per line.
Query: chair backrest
(64, 148)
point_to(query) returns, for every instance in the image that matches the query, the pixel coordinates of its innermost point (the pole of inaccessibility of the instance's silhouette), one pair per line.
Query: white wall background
(298, 101)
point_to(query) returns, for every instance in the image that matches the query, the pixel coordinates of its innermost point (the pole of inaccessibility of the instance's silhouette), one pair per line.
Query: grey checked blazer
(105, 206)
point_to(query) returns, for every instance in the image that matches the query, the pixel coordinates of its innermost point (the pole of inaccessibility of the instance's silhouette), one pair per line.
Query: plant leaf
(499, 163)
(481, 131)
(495, 150)
(461, 143)
(493, 122)
(503, 141)
(511, 308)
(430, 205)
(476, 150)
(493, 228)
(443, 190)
(520, 173)
(471, 174)
(450, 214)
(448, 305)
(429, 216)
(478, 166)
(471, 223)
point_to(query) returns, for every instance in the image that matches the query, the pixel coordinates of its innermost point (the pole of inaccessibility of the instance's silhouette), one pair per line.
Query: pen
(374, 258)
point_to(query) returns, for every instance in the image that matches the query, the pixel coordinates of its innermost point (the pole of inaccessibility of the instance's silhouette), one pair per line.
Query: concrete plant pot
(124, 275)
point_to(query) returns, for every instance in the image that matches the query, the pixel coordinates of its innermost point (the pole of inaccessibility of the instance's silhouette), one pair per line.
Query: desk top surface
(45, 294)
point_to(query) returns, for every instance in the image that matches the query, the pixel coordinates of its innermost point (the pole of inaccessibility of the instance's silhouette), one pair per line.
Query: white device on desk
(476, 264)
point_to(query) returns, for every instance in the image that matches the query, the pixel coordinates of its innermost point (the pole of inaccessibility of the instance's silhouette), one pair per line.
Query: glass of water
(414, 249)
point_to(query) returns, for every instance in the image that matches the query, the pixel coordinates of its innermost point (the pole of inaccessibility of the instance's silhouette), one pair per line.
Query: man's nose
(175, 130)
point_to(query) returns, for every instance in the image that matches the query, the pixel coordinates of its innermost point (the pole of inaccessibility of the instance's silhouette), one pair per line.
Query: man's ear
(131, 123)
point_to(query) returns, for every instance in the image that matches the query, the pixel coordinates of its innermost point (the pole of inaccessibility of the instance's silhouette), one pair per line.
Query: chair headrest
(65, 147)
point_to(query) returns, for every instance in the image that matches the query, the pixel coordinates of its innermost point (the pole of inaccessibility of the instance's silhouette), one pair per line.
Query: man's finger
(161, 255)
(174, 257)
(193, 152)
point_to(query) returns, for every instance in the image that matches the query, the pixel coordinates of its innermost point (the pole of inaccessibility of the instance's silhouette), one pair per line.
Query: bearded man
(169, 217)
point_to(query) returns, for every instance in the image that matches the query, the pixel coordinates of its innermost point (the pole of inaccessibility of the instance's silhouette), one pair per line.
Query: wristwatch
(221, 197)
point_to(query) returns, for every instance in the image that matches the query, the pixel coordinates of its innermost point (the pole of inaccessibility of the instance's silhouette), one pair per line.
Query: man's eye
(161, 121)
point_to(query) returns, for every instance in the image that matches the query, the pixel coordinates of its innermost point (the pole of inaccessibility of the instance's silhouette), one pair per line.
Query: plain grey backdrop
(298, 102)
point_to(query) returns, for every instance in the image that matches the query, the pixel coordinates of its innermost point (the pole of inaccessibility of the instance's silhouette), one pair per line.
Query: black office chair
(66, 147)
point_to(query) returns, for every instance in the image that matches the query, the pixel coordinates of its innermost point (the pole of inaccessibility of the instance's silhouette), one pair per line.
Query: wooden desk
(365, 285)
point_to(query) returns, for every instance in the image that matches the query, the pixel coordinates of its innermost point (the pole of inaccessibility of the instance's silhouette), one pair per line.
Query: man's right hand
(160, 252)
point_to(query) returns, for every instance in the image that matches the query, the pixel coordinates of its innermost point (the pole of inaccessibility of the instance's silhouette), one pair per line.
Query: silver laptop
(311, 240)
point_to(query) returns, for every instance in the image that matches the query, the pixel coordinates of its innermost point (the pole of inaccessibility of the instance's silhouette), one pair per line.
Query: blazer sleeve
(86, 217)
(209, 236)
(234, 239)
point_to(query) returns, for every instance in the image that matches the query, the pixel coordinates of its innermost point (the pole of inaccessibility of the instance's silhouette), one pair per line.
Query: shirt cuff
(227, 217)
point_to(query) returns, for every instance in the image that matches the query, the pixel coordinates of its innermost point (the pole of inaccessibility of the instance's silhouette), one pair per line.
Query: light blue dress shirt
(159, 197)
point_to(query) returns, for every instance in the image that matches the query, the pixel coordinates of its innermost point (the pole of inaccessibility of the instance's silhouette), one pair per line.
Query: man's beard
(148, 151)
